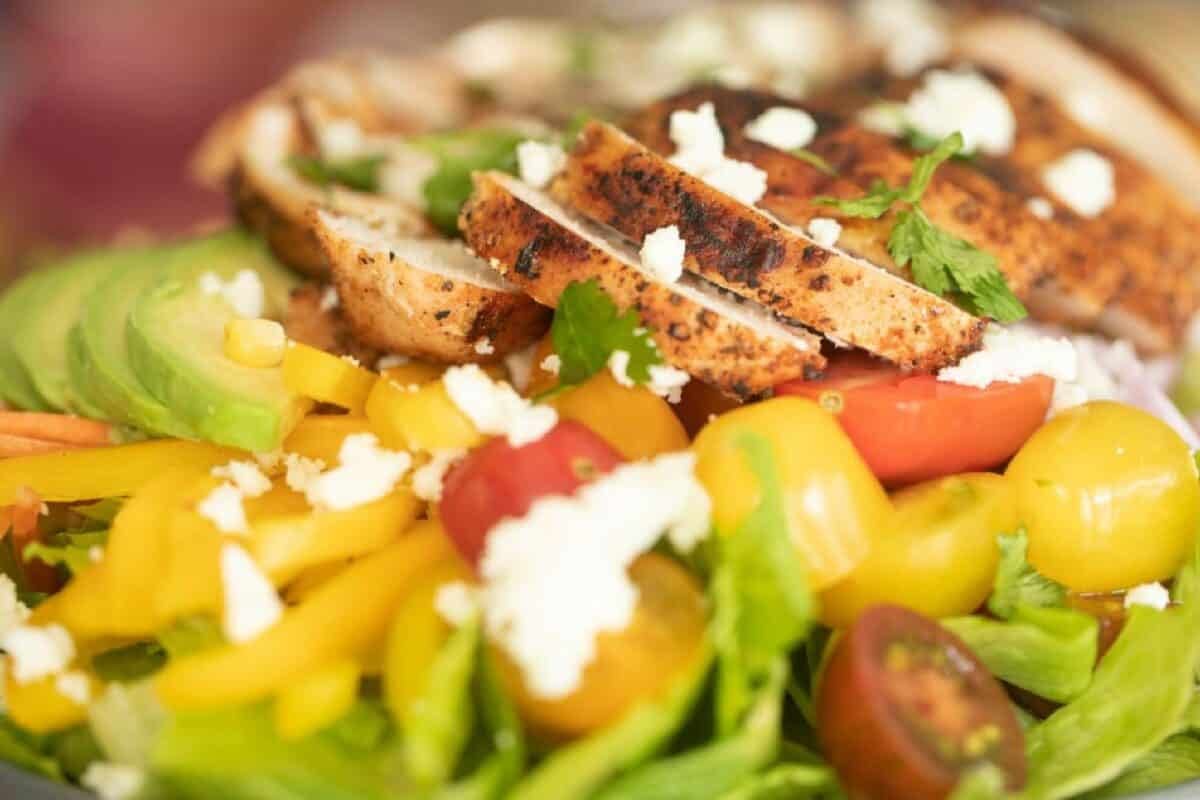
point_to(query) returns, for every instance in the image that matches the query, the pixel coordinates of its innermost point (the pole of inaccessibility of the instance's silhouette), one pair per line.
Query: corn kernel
(255, 342)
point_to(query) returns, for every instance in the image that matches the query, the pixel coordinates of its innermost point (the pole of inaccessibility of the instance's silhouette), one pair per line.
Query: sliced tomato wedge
(905, 710)
(912, 428)
(499, 480)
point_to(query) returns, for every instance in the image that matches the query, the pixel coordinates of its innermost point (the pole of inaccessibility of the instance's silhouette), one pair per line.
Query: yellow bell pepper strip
(634, 420)
(321, 435)
(425, 419)
(313, 373)
(190, 580)
(338, 620)
(277, 502)
(414, 372)
(317, 700)
(106, 472)
(285, 546)
(833, 504)
(310, 580)
(39, 707)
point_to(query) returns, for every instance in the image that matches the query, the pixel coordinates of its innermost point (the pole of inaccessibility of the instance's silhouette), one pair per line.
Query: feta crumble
(244, 292)
(538, 163)
(12, 611)
(330, 299)
(782, 128)
(577, 549)
(966, 102)
(495, 408)
(618, 365)
(825, 231)
(484, 347)
(37, 652)
(365, 473)
(1040, 207)
(912, 33)
(74, 686)
(1011, 355)
(551, 363)
(427, 479)
(223, 508)
(113, 781)
(456, 602)
(246, 477)
(1084, 180)
(700, 150)
(740, 180)
(520, 366)
(390, 361)
(1154, 595)
(301, 471)
(662, 253)
(667, 381)
(251, 602)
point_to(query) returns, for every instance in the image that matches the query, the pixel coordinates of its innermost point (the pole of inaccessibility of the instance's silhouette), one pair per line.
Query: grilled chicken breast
(726, 341)
(314, 317)
(959, 200)
(617, 181)
(427, 298)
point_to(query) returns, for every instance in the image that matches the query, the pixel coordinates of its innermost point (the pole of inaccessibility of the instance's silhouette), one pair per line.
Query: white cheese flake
(520, 366)
(662, 254)
(783, 128)
(1010, 355)
(38, 652)
(251, 603)
(12, 611)
(1040, 207)
(301, 471)
(538, 162)
(113, 781)
(330, 299)
(912, 33)
(551, 363)
(351, 360)
(495, 408)
(700, 150)
(390, 361)
(365, 473)
(75, 686)
(245, 292)
(223, 508)
(740, 180)
(578, 549)
(825, 231)
(966, 102)
(667, 381)
(246, 477)
(1084, 180)
(618, 365)
(427, 479)
(457, 602)
(1154, 595)
(484, 347)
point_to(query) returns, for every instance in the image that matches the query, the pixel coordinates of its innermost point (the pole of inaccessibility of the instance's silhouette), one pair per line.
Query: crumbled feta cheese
(912, 33)
(244, 292)
(484, 347)
(495, 408)
(1154, 595)
(301, 471)
(251, 602)
(785, 35)
(1084, 180)
(783, 128)
(12, 611)
(1087, 107)
(223, 508)
(577, 549)
(551, 363)
(618, 365)
(824, 231)
(734, 76)
(246, 476)
(113, 781)
(967, 102)
(365, 473)
(271, 461)
(520, 367)
(351, 360)
(330, 299)
(668, 382)
(390, 361)
(662, 253)
(1040, 207)
(740, 180)
(1011, 355)
(699, 143)
(456, 602)
(884, 118)
(691, 42)
(539, 163)
(37, 652)
(427, 479)
(74, 686)
(1066, 395)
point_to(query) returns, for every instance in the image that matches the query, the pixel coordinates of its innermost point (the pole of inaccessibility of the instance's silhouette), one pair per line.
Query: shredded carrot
(14, 446)
(62, 428)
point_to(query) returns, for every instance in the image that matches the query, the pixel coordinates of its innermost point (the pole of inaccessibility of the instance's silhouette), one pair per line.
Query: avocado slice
(50, 313)
(175, 344)
(16, 388)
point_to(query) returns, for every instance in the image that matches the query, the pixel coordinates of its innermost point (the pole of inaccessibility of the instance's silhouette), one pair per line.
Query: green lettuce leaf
(1174, 761)
(1019, 584)
(130, 663)
(496, 757)
(788, 782)
(27, 751)
(70, 549)
(459, 153)
(436, 730)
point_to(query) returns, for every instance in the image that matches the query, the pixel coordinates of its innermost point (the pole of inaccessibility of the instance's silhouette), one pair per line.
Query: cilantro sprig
(588, 329)
(360, 174)
(814, 160)
(941, 262)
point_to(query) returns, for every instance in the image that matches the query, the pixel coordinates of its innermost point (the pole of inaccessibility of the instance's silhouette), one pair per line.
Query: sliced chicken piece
(428, 298)
(274, 200)
(959, 200)
(1100, 92)
(615, 180)
(731, 343)
(314, 317)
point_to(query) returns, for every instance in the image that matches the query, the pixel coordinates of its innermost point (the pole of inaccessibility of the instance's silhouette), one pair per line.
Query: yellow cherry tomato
(1109, 496)
(317, 700)
(939, 556)
(635, 421)
(637, 664)
(322, 376)
(833, 504)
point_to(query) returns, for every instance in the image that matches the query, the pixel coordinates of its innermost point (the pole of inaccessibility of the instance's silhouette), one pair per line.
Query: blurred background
(101, 101)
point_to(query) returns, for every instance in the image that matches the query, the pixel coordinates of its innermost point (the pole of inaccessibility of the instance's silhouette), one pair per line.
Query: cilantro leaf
(1017, 583)
(360, 174)
(924, 167)
(873, 205)
(460, 153)
(588, 329)
(881, 197)
(812, 159)
(945, 264)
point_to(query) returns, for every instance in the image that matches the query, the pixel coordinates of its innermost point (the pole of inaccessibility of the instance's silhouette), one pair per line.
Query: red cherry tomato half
(904, 710)
(499, 480)
(912, 428)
